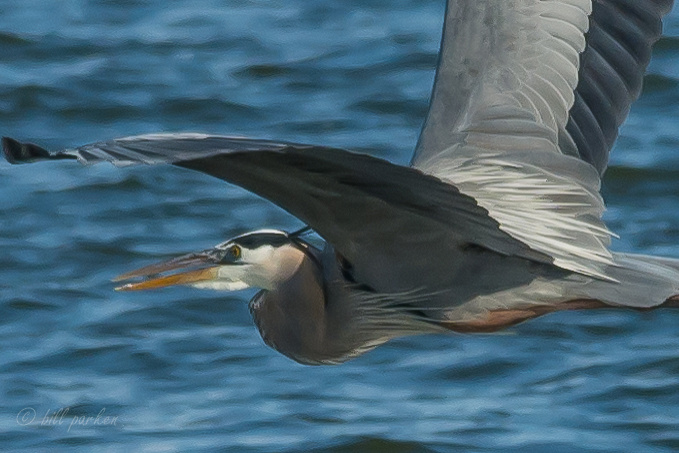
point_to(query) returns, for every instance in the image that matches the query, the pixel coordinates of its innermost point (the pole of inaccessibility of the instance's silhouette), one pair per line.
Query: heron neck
(292, 317)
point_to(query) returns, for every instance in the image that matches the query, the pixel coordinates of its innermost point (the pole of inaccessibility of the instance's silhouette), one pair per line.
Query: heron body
(497, 219)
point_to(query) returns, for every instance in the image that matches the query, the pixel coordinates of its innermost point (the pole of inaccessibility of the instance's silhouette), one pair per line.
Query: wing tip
(16, 152)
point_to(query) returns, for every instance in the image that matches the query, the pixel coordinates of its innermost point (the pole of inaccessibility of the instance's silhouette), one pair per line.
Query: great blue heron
(497, 219)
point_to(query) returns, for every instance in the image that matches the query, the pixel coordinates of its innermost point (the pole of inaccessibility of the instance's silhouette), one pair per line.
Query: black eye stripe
(257, 240)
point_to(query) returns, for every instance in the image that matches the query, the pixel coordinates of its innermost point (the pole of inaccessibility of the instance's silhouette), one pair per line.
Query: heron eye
(235, 252)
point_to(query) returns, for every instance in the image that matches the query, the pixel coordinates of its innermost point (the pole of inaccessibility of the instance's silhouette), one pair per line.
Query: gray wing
(527, 103)
(544, 74)
(376, 214)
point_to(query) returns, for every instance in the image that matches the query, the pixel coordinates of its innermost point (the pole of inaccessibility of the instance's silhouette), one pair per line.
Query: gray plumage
(497, 220)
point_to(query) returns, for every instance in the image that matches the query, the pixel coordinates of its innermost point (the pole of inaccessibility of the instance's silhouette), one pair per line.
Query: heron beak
(194, 268)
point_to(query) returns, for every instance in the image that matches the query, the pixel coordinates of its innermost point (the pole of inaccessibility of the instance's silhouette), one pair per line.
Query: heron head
(261, 259)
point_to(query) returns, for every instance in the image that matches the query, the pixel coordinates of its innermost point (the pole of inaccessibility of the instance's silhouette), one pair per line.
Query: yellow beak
(185, 277)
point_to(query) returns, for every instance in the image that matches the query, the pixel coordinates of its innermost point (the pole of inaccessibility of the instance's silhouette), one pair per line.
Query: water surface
(185, 370)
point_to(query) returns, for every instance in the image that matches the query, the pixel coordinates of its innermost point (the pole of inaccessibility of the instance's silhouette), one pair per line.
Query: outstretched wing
(528, 98)
(543, 75)
(376, 214)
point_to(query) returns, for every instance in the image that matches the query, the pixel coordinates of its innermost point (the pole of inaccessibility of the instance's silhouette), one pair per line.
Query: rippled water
(185, 370)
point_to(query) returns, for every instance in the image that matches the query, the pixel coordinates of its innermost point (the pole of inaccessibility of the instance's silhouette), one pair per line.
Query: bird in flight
(496, 220)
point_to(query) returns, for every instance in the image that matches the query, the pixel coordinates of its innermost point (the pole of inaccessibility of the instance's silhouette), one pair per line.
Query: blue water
(185, 370)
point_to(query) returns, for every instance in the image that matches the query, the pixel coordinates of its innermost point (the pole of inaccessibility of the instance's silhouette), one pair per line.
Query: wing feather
(527, 102)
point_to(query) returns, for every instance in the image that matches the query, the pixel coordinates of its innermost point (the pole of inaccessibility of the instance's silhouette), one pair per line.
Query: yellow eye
(235, 251)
